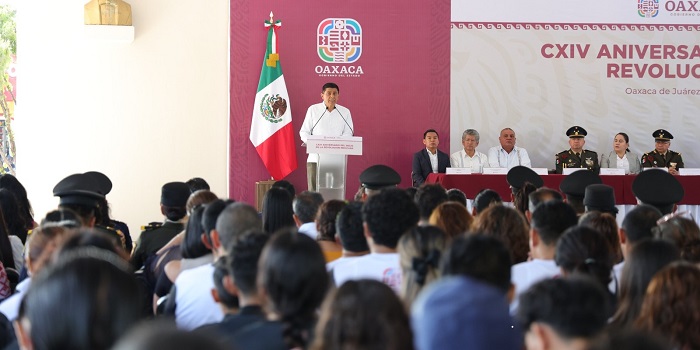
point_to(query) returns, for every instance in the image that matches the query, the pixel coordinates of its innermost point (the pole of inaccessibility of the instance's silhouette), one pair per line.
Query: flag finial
(271, 15)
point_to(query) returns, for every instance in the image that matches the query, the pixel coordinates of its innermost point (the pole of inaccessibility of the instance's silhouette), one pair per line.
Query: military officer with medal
(576, 156)
(662, 156)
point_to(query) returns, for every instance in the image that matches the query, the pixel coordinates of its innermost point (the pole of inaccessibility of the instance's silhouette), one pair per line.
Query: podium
(331, 169)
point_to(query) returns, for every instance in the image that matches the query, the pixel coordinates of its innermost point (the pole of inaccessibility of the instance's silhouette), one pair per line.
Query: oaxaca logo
(339, 42)
(648, 8)
(273, 107)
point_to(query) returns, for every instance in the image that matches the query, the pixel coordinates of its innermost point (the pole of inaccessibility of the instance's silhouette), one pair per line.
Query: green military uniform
(154, 237)
(654, 159)
(568, 159)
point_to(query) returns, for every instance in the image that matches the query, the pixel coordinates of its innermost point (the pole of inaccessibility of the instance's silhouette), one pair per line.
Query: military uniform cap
(574, 185)
(576, 131)
(379, 176)
(662, 135)
(102, 180)
(600, 197)
(518, 175)
(78, 189)
(657, 187)
(174, 194)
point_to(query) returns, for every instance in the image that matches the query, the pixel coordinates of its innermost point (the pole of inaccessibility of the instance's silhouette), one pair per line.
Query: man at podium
(325, 119)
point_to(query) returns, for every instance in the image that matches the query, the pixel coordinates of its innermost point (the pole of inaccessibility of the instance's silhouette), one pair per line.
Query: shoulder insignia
(151, 226)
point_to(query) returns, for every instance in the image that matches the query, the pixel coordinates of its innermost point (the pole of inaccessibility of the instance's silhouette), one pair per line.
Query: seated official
(661, 156)
(508, 155)
(469, 157)
(429, 160)
(621, 157)
(576, 156)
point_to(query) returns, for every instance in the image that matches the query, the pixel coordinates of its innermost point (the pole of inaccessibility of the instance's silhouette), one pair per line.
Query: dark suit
(653, 159)
(421, 165)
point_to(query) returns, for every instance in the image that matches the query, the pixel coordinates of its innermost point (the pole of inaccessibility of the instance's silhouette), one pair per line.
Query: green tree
(8, 50)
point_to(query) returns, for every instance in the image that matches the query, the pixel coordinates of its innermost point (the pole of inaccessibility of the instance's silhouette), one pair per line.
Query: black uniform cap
(174, 194)
(78, 189)
(379, 176)
(574, 185)
(600, 197)
(657, 187)
(105, 184)
(518, 175)
(576, 131)
(662, 135)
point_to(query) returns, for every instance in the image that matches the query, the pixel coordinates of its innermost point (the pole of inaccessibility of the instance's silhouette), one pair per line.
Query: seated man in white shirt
(508, 155)
(469, 157)
(386, 216)
(351, 234)
(305, 206)
(549, 220)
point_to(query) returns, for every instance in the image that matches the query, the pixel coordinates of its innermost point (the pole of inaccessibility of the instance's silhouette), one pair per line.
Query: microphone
(319, 119)
(346, 122)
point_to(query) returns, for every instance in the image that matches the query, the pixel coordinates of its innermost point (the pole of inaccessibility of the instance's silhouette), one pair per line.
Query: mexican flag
(271, 131)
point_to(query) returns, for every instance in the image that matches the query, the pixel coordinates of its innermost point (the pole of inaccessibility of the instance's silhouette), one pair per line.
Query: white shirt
(433, 160)
(525, 274)
(623, 163)
(17, 251)
(309, 229)
(194, 304)
(319, 121)
(381, 267)
(10, 306)
(477, 162)
(499, 158)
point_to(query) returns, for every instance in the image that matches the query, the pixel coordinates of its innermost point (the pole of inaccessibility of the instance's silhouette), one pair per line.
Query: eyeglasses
(683, 214)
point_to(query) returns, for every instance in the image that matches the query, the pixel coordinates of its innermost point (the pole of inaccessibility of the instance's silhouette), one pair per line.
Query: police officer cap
(657, 187)
(102, 180)
(576, 131)
(78, 189)
(600, 197)
(518, 175)
(379, 176)
(574, 185)
(662, 135)
(174, 194)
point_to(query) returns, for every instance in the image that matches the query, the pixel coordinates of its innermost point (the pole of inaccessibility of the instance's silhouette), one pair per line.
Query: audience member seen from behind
(161, 335)
(621, 157)
(387, 216)
(277, 210)
(87, 300)
(420, 251)
(452, 218)
(607, 225)
(14, 227)
(351, 235)
(428, 197)
(563, 313)
(364, 314)
(549, 221)
(643, 262)
(508, 226)
(456, 195)
(325, 225)
(522, 181)
(636, 227)
(468, 307)
(584, 251)
(10, 183)
(541, 195)
(197, 183)
(671, 304)
(629, 340)
(684, 233)
(292, 277)
(484, 199)
(305, 206)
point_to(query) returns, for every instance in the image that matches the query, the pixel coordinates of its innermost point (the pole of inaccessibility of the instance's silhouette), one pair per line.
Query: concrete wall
(144, 113)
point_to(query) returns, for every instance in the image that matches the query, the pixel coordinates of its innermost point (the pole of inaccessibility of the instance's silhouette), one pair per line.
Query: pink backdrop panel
(402, 91)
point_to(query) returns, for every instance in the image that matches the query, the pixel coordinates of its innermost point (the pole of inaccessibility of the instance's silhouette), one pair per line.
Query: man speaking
(325, 119)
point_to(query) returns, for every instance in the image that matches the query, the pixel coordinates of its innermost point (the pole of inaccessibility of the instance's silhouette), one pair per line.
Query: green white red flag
(271, 130)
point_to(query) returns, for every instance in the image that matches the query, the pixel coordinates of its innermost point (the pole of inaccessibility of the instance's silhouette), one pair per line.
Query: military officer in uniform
(661, 156)
(173, 200)
(576, 156)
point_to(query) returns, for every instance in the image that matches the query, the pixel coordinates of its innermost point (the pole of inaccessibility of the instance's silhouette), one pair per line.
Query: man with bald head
(508, 155)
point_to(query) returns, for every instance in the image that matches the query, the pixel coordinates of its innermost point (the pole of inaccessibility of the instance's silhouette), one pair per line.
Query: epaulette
(151, 226)
(587, 150)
